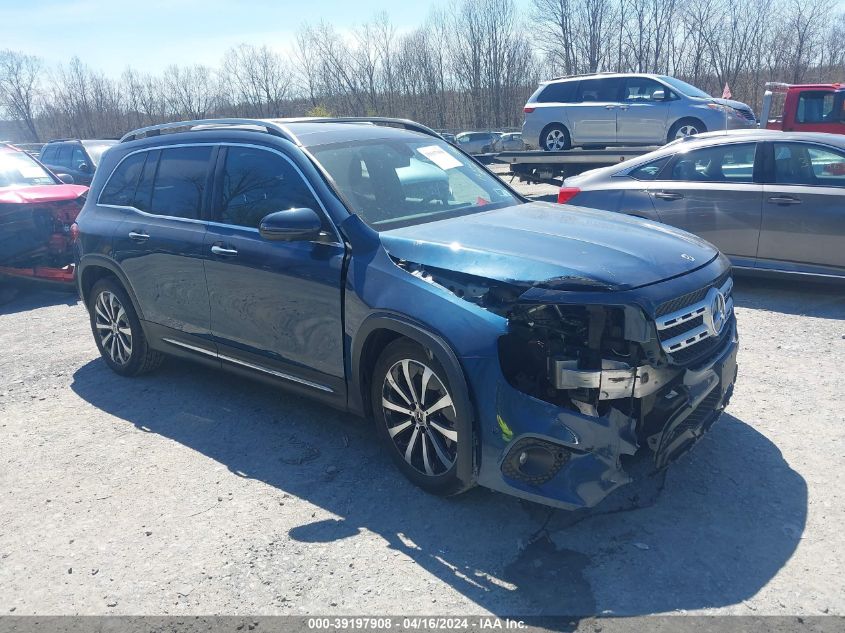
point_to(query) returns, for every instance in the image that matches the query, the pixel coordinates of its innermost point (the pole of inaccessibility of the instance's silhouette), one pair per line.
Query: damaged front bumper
(573, 459)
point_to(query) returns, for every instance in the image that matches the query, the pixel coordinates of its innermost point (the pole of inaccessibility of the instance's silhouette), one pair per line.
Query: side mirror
(658, 95)
(290, 226)
(65, 178)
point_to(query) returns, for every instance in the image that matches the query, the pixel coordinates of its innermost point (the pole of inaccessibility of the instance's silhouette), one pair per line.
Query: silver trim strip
(279, 374)
(691, 311)
(237, 361)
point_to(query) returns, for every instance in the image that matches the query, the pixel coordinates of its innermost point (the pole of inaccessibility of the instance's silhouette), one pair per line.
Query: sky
(151, 34)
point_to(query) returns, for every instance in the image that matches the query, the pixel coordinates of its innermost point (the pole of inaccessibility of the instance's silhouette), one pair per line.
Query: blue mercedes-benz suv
(531, 348)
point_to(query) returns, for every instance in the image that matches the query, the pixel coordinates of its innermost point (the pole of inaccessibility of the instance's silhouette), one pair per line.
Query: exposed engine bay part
(614, 380)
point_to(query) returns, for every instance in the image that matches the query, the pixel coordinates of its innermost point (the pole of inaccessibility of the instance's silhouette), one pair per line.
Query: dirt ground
(189, 491)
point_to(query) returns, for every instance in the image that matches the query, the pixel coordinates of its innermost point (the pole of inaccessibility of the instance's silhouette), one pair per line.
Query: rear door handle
(668, 195)
(224, 252)
(785, 200)
(137, 236)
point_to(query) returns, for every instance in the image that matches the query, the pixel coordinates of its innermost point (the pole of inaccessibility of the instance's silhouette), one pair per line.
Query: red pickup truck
(804, 107)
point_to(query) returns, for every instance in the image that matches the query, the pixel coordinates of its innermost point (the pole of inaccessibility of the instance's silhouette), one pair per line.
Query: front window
(18, 169)
(720, 163)
(685, 89)
(393, 183)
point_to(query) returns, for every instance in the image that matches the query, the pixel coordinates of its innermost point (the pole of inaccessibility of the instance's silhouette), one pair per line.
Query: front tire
(117, 330)
(684, 128)
(418, 418)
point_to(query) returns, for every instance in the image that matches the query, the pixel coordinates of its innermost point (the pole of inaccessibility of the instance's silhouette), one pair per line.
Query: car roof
(312, 134)
(606, 75)
(713, 138)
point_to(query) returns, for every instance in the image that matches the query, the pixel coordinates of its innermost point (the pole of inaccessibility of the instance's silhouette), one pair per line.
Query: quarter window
(120, 189)
(256, 183)
(649, 171)
(180, 182)
(722, 163)
(49, 154)
(563, 92)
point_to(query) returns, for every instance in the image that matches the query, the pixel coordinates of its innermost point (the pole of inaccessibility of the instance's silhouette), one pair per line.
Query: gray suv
(624, 109)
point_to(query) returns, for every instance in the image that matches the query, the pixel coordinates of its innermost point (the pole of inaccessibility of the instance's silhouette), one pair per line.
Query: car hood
(554, 246)
(40, 194)
(737, 105)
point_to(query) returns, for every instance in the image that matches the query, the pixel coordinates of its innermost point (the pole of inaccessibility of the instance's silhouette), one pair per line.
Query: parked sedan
(772, 201)
(509, 142)
(476, 142)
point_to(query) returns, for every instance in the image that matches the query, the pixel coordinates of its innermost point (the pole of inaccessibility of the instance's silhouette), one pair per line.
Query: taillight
(528, 110)
(566, 194)
(74, 231)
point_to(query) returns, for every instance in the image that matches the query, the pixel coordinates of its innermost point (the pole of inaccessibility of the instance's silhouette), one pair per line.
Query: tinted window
(558, 93)
(649, 171)
(120, 189)
(815, 107)
(180, 182)
(63, 155)
(642, 89)
(802, 164)
(722, 163)
(257, 182)
(77, 158)
(49, 154)
(598, 90)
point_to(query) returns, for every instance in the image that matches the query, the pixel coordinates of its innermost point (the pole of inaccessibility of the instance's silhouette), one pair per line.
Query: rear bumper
(587, 457)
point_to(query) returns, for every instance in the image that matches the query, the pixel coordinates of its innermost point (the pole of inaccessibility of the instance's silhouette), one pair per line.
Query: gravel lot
(194, 492)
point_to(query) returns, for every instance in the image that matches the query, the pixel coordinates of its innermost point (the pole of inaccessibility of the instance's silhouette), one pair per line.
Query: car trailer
(553, 167)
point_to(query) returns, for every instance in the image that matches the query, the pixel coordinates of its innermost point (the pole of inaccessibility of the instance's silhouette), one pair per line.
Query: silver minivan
(624, 109)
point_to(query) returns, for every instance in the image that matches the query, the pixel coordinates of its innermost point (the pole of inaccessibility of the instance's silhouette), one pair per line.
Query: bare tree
(20, 84)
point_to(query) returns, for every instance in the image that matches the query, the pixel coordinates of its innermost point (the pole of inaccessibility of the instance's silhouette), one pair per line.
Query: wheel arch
(92, 268)
(379, 330)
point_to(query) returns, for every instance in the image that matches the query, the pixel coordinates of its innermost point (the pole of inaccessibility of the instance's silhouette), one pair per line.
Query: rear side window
(120, 189)
(803, 164)
(180, 182)
(598, 90)
(563, 92)
(721, 163)
(258, 182)
(49, 154)
(649, 171)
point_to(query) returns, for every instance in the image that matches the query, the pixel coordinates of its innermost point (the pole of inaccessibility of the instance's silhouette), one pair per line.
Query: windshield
(685, 89)
(19, 169)
(96, 151)
(393, 183)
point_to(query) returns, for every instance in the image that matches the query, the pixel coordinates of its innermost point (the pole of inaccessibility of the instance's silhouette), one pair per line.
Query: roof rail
(62, 140)
(406, 124)
(599, 72)
(154, 130)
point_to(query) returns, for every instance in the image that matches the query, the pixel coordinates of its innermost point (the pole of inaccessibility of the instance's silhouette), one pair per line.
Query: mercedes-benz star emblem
(689, 258)
(717, 312)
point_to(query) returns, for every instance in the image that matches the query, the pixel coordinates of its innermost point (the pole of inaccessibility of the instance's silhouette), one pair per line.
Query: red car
(804, 108)
(37, 211)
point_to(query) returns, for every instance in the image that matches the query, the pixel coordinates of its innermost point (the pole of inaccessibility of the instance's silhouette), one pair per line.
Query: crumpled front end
(585, 390)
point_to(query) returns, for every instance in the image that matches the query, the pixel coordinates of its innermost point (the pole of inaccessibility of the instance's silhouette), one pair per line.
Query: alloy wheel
(556, 140)
(420, 417)
(113, 328)
(686, 130)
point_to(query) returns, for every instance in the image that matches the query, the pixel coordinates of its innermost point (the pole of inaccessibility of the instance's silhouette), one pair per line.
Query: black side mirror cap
(66, 178)
(294, 225)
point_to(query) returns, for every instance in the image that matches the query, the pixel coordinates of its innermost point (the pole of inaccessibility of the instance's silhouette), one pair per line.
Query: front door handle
(668, 195)
(224, 252)
(137, 236)
(784, 200)
(609, 107)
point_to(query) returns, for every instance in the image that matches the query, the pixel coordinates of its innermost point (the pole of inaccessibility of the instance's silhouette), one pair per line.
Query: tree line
(472, 65)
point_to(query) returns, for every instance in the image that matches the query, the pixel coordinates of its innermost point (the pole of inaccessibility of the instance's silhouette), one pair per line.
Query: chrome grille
(694, 324)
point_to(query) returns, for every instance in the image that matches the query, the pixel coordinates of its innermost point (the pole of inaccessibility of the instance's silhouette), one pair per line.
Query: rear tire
(685, 127)
(118, 332)
(555, 138)
(417, 418)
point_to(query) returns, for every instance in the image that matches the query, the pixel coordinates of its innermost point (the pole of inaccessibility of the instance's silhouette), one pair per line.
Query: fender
(101, 261)
(447, 359)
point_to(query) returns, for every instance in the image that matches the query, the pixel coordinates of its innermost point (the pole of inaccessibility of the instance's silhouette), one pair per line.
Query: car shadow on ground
(729, 517)
(20, 297)
(824, 300)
